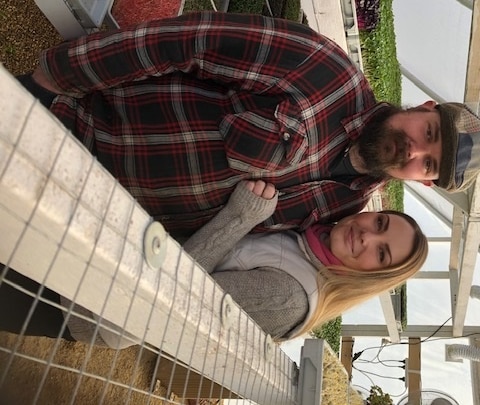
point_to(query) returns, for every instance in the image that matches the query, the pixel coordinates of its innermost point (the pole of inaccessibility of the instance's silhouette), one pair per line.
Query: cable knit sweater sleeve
(273, 298)
(214, 240)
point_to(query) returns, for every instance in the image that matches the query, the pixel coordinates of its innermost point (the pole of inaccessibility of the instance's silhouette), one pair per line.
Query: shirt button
(286, 136)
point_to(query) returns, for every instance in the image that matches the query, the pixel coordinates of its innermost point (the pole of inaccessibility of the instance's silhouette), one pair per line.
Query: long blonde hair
(339, 292)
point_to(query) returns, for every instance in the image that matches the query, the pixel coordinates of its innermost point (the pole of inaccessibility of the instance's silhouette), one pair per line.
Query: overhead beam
(468, 260)
(389, 314)
(466, 3)
(422, 194)
(432, 275)
(472, 82)
(467, 268)
(421, 85)
(422, 331)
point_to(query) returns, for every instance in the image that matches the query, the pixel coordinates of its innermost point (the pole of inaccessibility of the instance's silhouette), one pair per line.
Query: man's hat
(460, 137)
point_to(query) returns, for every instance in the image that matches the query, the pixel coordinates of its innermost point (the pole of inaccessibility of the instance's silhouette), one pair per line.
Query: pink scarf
(316, 245)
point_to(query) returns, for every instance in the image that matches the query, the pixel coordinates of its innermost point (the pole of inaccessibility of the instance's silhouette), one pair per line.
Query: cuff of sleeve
(251, 206)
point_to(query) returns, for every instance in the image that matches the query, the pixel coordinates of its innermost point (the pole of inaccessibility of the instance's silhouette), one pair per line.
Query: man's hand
(39, 77)
(261, 189)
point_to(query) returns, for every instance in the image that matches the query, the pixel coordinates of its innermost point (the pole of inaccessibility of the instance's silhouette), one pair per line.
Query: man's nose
(415, 150)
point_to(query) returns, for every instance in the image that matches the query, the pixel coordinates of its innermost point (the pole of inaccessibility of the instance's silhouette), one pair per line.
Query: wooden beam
(433, 275)
(467, 266)
(409, 331)
(457, 231)
(472, 91)
(414, 378)
(346, 354)
(389, 314)
(329, 21)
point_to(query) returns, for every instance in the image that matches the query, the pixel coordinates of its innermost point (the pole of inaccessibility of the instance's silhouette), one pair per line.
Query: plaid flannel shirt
(180, 110)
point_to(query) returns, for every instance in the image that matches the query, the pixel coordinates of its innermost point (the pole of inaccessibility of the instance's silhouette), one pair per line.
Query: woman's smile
(369, 240)
(349, 239)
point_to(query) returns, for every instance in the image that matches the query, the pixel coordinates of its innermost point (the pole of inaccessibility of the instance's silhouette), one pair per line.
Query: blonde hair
(339, 292)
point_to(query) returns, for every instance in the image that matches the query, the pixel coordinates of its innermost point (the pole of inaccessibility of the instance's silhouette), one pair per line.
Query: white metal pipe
(463, 352)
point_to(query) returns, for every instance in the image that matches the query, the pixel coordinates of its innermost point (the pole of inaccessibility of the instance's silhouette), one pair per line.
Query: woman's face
(372, 240)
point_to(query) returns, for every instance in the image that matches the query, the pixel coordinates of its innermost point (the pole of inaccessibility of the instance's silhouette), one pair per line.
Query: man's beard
(382, 148)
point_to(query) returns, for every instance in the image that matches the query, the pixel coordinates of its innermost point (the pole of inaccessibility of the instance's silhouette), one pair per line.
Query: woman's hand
(253, 200)
(251, 203)
(261, 189)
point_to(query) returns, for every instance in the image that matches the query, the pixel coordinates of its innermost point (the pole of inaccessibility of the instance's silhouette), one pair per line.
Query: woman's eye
(381, 255)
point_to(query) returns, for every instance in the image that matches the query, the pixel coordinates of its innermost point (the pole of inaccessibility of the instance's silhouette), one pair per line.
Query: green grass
(330, 331)
(289, 9)
(197, 5)
(395, 192)
(381, 67)
(379, 54)
(246, 6)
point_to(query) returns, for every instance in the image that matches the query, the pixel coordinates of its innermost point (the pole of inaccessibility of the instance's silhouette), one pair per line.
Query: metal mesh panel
(70, 230)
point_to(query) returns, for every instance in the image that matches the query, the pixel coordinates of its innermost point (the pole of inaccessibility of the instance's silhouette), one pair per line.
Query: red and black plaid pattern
(180, 110)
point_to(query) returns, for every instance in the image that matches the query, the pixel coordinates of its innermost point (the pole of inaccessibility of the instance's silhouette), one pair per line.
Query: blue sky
(432, 42)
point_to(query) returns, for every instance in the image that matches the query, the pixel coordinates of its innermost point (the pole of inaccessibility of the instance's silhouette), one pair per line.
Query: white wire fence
(68, 226)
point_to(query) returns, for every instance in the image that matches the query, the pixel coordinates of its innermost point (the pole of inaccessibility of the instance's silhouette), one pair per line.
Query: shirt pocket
(264, 140)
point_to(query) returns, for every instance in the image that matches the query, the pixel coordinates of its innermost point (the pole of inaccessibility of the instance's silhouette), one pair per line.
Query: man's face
(406, 146)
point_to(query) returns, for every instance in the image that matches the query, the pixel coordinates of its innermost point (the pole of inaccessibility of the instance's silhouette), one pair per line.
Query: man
(181, 110)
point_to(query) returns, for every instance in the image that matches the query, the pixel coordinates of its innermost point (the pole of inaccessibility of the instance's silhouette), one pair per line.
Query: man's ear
(430, 104)
(428, 183)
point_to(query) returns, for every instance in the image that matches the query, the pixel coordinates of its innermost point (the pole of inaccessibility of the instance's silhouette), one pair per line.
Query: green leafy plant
(330, 331)
(378, 397)
(379, 54)
(289, 9)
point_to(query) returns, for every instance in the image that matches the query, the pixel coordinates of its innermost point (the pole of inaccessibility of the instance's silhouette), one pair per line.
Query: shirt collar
(355, 123)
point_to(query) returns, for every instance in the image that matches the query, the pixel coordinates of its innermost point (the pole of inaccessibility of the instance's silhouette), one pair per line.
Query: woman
(288, 282)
